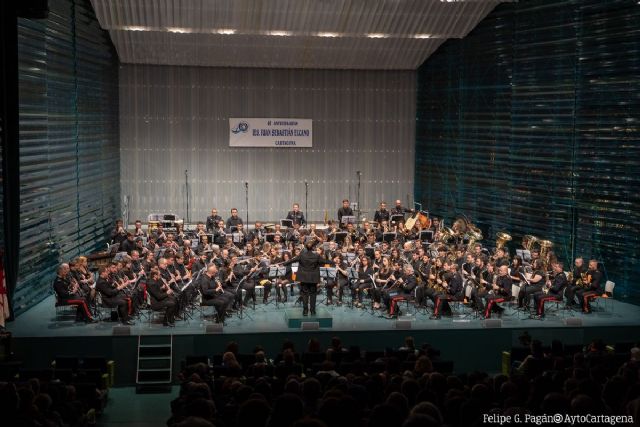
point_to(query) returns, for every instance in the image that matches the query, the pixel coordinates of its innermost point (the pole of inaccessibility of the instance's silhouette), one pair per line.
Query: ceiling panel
(335, 34)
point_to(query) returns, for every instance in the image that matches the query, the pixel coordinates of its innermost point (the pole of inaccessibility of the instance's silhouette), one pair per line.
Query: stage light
(225, 31)
(279, 33)
(377, 35)
(328, 34)
(179, 30)
(136, 28)
(422, 36)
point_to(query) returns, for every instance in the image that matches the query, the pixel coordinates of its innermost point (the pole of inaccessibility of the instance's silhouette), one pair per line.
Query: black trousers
(169, 306)
(570, 293)
(309, 292)
(524, 296)
(220, 303)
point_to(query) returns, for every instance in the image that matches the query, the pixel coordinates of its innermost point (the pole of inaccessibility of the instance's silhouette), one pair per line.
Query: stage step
(294, 318)
(155, 364)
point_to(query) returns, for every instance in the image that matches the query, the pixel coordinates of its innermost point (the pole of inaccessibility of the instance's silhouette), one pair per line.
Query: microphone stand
(186, 185)
(306, 195)
(246, 198)
(358, 196)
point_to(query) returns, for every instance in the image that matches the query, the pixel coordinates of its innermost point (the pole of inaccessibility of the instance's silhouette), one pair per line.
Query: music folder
(286, 223)
(348, 219)
(426, 236)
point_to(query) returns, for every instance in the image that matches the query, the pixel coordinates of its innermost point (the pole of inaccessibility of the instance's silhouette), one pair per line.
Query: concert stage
(468, 341)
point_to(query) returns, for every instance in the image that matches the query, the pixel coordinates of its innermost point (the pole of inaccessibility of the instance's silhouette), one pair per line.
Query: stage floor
(40, 321)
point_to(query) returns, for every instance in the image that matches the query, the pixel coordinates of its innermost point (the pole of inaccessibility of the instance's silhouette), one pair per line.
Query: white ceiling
(334, 34)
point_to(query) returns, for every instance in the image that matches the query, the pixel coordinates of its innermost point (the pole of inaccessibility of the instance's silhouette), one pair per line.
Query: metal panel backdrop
(174, 119)
(69, 166)
(530, 125)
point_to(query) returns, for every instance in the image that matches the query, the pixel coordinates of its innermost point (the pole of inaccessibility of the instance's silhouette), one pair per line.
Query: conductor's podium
(295, 319)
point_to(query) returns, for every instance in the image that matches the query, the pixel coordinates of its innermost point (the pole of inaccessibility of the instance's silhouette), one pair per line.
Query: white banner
(270, 132)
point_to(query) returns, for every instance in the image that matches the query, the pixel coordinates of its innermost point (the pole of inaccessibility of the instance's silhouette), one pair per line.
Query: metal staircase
(155, 364)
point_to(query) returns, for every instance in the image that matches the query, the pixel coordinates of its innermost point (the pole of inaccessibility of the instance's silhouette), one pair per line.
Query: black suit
(296, 217)
(112, 297)
(161, 300)
(309, 263)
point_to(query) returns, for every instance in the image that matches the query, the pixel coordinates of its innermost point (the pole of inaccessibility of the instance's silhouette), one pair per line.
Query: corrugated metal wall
(174, 119)
(530, 125)
(69, 165)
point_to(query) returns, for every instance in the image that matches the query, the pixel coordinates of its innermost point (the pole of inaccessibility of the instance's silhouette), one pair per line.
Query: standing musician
(593, 287)
(552, 291)
(112, 295)
(213, 293)
(162, 298)
(345, 210)
(382, 214)
(233, 220)
(453, 290)
(579, 275)
(212, 220)
(68, 291)
(308, 275)
(118, 234)
(531, 286)
(500, 291)
(400, 210)
(296, 215)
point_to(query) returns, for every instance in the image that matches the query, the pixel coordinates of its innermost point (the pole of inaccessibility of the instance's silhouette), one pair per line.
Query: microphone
(358, 172)
(246, 184)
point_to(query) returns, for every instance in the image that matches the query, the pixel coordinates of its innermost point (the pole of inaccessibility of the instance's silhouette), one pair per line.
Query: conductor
(308, 274)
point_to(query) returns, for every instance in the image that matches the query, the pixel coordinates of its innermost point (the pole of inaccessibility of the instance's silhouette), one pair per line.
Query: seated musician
(500, 291)
(480, 281)
(453, 290)
(381, 279)
(131, 278)
(212, 220)
(68, 291)
(402, 288)
(220, 234)
(240, 236)
(200, 228)
(296, 215)
(382, 214)
(112, 295)
(205, 246)
(162, 298)
(118, 234)
(180, 235)
(138, 231)
(128, 244)
(213, 293)
(593, 287)
(171, 242)
(199, 264)
(257, 233)
(233, 220)
(159, 235)
(578, 280)
(554, 288)
(501, 258)
(84, 279)
(516, 270)
(364, 281)
(531, 286)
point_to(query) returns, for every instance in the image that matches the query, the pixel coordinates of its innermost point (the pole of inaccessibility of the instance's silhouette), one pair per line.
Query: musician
(500, 291)
(180, 235)
(345, 210)
(112, 295)
(294, 235)
(138, 231)
(159, 235)
(435, 227)
(516, 271)
(245, 277)
(257, 233)
(308, 274)
(240, 236)
(220, 234)
(162, 298)
(577, 282)
(480, 280)
(400, 210)
(136, 263)
(149, 262)
(282, 282)
(377, 260)
(501, 258)
(382, 280)
(402, 288)
(80, 272)
(382, 214)
(453, 290)
(68, 291)
(296, 215)
(364, 281)
(212, 220)
(233, 220)
(554, 288)
(171, 242)
(152, 246)
(533, 285)
(118, 234)
(594, 286)
(140, 247)
(213, 293)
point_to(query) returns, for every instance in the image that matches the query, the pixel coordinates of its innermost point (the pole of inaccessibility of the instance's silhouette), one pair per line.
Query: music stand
(286, 223)
(276, 272)
(348, 219)
(325, 246)
(389, 236)
(369, 252)
(339, 237)
(270, 237)
(395, 218)
(209, 237)
(352, 276)
(350, 256)
(237, 238)
(426, 236)
(524, 254)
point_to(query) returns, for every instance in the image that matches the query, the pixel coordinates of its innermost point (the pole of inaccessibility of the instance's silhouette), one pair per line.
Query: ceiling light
(279, 33)
(135, 28)
(328, 35)
(225, 31)
(179, 30)
(377, 35)
(422, 36)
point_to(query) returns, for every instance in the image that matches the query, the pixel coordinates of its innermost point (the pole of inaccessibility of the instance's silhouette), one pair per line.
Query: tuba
(501, 239)
(528, 241)
(545, 246)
